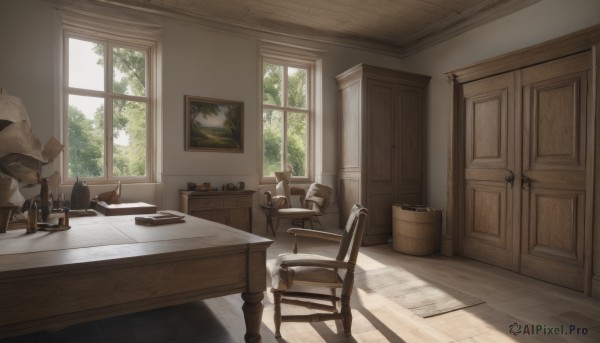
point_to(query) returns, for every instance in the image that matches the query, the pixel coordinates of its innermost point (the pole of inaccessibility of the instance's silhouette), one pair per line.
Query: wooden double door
(525, 184)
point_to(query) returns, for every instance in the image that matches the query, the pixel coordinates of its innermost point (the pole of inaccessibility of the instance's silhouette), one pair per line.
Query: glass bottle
(32, 217)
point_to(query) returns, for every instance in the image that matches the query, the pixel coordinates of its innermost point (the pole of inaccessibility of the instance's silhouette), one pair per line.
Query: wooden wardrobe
(381, 114)
(524, 161)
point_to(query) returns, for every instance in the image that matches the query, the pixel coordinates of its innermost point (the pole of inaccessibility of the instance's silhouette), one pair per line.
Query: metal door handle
(510, 178)
(525, 181)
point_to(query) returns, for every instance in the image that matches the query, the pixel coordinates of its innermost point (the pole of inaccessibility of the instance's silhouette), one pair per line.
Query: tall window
(287, 116)
(107, 106)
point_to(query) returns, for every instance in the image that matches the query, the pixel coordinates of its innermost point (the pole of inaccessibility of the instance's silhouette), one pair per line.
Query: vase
(4, 218)
(80, 196)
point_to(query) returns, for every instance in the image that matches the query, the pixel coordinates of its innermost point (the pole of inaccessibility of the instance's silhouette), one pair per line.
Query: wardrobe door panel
(380, 219)
(410, 143)
(381, 98)
(382, 112)
(348, 194)
(350, 125)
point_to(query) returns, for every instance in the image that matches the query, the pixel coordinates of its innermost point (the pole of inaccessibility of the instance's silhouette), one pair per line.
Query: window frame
(110, 40)
(289, 62)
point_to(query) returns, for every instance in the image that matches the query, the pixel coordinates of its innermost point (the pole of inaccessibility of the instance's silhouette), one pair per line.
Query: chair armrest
(269, 202)
(316, 263)
(314, 234)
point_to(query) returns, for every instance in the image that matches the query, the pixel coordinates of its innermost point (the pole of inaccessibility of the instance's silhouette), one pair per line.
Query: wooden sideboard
(233, 208)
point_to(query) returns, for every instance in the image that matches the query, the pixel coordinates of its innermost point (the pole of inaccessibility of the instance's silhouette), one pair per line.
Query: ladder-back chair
(293, 270)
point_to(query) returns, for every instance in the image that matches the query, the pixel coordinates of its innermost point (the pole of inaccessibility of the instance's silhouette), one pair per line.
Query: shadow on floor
(190, 322)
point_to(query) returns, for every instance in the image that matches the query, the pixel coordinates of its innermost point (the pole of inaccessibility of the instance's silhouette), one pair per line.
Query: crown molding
(452, 26)
(459, 23)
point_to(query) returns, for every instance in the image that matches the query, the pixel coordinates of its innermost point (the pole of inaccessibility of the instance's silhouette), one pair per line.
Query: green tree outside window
(285, 119)
(127, 98)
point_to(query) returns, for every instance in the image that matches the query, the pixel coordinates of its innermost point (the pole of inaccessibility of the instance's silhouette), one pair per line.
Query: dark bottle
(32, 217)
(44, 200)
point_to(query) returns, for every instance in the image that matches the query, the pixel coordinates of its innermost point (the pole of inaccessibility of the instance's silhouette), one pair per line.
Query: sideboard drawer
(233, 208)
(205, 203)
(238, 202)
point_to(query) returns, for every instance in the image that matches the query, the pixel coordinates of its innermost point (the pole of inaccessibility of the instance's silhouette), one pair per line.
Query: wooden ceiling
(395, 27)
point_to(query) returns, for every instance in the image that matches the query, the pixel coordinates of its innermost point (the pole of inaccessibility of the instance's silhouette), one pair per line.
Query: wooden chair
(296, 270)
(314, 204)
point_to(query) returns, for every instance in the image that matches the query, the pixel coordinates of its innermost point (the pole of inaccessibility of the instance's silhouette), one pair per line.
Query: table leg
(253, 309)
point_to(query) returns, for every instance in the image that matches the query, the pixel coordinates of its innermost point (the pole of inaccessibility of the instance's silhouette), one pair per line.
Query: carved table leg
(253, 309)
(277, 315)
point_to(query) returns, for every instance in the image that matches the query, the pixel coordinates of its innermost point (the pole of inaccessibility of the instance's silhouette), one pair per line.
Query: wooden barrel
(416, 231)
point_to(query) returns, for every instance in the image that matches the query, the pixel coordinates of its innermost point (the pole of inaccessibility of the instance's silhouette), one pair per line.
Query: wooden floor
(510, 300)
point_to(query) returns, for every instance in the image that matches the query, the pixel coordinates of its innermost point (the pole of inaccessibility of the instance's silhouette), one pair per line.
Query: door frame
(583, 40)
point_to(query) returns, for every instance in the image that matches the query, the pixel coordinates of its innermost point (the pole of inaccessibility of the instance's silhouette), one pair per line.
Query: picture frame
(214, 124)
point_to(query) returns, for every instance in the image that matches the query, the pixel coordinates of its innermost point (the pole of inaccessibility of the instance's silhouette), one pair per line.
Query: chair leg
(346, 315)
(270, 224)
(333, 302)
(276, 226)
(298, 222)
(316, 218)
(277, 315)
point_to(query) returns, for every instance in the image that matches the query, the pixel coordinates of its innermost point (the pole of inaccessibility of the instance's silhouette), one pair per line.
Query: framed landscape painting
(214, 124)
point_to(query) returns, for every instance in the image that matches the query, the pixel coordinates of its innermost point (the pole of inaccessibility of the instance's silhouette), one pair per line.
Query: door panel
(487, 219)
(486, 126)
(554, 150)
(557, 129)
(488, 107)
(554, 224)
(553, 237)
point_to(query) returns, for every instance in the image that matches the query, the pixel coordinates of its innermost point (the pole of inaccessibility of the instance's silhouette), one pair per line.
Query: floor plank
(510, 299)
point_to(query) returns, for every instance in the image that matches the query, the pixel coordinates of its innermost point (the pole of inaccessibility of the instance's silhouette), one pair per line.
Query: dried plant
(21, 153)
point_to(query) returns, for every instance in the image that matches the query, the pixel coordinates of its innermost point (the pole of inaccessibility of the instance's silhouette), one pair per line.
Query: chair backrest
(353, 234)
(318, 198)
(283, 189)
(284, 176)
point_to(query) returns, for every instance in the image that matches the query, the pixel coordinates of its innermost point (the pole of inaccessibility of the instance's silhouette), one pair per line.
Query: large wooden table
(107, 266)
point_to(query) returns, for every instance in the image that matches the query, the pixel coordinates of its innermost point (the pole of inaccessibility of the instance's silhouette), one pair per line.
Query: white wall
(27, 60)
(538, 23)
